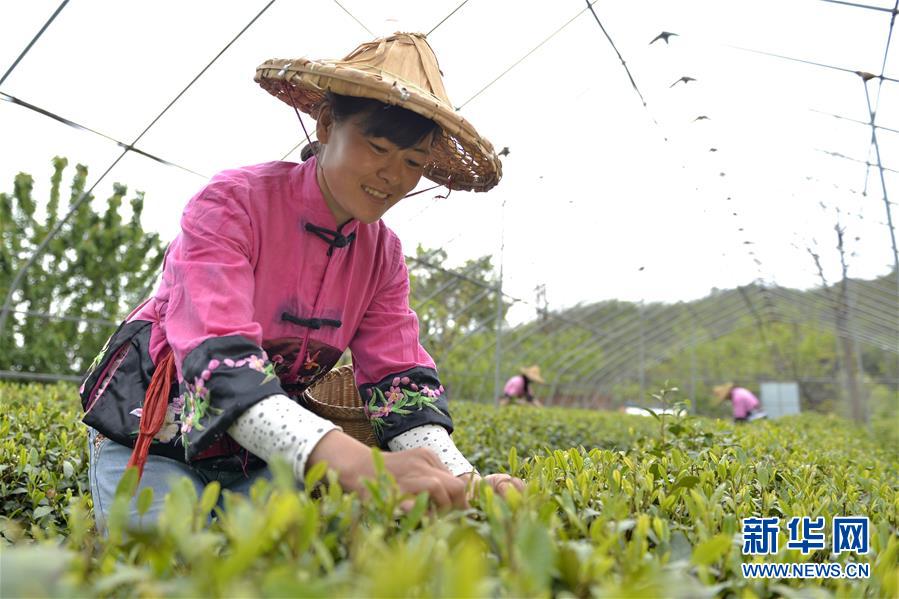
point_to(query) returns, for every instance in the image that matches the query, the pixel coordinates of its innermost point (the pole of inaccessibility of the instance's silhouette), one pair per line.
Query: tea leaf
(685, 482)
(210, 496)
(314, 474)
(711, 550)
(41, 511)
(144, 500)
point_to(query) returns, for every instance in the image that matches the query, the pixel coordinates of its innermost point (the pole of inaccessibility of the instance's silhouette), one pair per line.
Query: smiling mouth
(375, 193)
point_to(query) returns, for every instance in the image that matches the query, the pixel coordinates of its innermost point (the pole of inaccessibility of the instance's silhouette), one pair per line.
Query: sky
(601, 197)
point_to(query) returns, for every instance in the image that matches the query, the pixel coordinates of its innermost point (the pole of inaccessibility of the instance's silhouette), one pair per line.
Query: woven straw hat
(400, 70)
(722, 391)
(533, 373)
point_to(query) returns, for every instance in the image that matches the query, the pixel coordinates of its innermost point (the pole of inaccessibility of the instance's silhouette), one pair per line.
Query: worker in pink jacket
(744, 404)
(518, 389)
(279, 268)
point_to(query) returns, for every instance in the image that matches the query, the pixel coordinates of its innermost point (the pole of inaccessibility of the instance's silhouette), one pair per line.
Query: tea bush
(43, 453)
(612, 508)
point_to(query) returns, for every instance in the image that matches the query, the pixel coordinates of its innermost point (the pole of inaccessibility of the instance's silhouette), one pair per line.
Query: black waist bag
(117, 383)
(115, 388)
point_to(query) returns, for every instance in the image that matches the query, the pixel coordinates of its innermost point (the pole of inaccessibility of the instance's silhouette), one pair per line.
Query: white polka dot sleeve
(435, 438)
(277, 425)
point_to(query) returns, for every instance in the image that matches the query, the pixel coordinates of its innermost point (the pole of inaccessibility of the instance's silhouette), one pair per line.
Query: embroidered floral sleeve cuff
(404, 401)
(279, 426)
(435, 438)
(222, 378)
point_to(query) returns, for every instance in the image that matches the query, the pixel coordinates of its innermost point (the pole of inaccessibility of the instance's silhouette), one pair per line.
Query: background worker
(744, 404)
(518, 388)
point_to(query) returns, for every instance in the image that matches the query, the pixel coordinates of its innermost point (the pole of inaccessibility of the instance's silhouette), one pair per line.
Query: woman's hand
(415, 470)
(500, 482)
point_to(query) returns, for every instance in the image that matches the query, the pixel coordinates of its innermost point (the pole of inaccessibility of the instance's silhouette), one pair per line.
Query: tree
(451, 303)
(457, 314)
(92, 273)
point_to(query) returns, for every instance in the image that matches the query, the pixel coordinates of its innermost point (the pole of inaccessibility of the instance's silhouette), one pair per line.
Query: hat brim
(532, 375)
(461, 159)
(720, 392)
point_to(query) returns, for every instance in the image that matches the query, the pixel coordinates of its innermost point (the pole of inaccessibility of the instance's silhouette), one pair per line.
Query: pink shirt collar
(314, 200)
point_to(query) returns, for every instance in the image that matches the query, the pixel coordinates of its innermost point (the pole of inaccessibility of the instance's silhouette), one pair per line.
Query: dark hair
(399, 125)
(309, 150)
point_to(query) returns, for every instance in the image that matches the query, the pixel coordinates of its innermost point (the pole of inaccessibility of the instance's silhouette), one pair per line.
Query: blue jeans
(108, 461)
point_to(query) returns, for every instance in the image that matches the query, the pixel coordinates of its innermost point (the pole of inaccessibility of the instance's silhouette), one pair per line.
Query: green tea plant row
(615, 506)
(43, 453)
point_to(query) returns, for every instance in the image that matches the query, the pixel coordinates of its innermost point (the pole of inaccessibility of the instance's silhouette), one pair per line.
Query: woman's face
(362, 177)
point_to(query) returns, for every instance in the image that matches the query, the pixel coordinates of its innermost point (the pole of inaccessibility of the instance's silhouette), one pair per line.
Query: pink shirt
(244, 260)
(514, 386)
(260, 295)
(743, 402)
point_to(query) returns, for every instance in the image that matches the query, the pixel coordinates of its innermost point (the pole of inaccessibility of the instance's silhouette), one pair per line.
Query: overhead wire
(4, 312)
(883, 66)
(857, 5)
(846, 118)
(70, 123)
(808, 62)
(614, 47)
(203, 71)
(535, 48)
(443, 20)
(361, 24)
(34, 40)
(520, 60)
(850, 158)
(352, 16)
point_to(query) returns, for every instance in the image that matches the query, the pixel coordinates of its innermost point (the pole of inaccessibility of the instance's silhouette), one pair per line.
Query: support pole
(642, 364)
(497, 375)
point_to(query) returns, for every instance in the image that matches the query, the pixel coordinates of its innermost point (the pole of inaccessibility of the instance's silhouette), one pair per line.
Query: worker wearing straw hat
(518, 388)
(744, 404)
(278, 269)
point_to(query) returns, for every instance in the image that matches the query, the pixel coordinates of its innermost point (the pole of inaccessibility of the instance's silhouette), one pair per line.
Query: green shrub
(43, 454)
(883, 405)
(611, 509)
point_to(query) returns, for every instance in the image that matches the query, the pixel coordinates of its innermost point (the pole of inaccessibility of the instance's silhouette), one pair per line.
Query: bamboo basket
(336, 398)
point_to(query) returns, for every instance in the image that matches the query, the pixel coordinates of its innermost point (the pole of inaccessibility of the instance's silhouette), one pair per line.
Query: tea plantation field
(615, 506)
